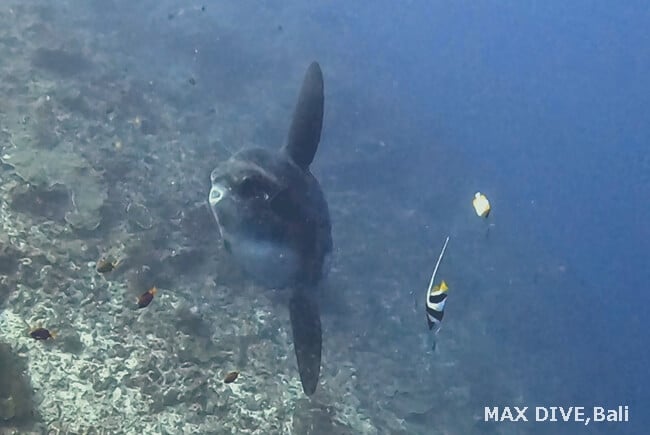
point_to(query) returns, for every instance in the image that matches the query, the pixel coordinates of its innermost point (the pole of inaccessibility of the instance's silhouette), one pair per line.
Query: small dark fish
(192, 81)
(170, 16)
(41, 334)
(280, 28)
(104, 265)
(230, 377)
(203, 8)
(145, 298)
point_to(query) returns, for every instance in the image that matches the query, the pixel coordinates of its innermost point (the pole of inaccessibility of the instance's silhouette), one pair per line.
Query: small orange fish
(104, 265)
(230, 377)
(145, 298)
(41, 334)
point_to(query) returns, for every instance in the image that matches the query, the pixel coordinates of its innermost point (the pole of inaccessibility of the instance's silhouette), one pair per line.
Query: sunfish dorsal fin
(307, 122)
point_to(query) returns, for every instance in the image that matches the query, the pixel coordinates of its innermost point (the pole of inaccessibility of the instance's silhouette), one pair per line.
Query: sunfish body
(274, 220)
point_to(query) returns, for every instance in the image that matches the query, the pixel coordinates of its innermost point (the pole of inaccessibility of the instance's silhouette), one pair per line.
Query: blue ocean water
(546, 104)
(545, 101)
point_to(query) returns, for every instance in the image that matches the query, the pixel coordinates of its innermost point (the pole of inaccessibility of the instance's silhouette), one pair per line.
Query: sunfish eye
(251, 187)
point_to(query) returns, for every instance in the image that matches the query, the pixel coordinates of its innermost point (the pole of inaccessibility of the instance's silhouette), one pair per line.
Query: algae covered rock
(49, 169)
(15, 391)
(51, 203)
(9, 266)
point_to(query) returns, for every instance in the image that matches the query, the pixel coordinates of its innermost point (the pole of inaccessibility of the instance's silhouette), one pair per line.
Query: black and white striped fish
(436, 296)
(436, 299)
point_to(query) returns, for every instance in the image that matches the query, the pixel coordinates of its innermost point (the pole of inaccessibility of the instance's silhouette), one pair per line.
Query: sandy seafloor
(94, 121)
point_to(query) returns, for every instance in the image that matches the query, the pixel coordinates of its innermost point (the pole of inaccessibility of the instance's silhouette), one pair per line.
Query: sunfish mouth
(217, 193)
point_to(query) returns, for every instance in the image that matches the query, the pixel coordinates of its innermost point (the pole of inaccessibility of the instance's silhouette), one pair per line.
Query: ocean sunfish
(274, 221)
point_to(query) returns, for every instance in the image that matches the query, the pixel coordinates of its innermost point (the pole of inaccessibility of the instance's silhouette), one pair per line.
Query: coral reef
(139, 216)
(49, 172)
(16, 401)
(52, 203)
(60, 61)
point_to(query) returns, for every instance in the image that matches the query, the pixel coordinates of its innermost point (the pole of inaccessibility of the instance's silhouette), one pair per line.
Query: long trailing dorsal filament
(435, 269)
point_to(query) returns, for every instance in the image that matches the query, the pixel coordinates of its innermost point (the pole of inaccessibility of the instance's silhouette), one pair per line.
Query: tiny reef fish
(230, 377)
(145, 298)
(104, 265)
(41, 334)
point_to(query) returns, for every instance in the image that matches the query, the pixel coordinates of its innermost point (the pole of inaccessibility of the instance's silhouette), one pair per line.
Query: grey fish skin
(307, 122)
(274, 220)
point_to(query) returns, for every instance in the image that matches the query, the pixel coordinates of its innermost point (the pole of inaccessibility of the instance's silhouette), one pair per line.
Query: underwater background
(113, 114)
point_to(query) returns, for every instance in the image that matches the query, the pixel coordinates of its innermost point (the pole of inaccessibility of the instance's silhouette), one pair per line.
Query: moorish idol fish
(436, 296)
(436, 305)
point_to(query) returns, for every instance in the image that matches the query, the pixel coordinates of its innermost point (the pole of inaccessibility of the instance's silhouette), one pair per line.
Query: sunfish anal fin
(307, 337)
